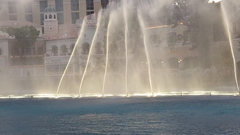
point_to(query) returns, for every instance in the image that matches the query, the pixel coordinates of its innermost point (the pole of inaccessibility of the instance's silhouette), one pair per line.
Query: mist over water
(229, 8)
(133, 63)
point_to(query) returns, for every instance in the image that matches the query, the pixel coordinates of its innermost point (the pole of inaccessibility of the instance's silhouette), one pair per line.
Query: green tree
(26, 36)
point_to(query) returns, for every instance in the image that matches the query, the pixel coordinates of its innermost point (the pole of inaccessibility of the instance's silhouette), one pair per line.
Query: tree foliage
(26, 36)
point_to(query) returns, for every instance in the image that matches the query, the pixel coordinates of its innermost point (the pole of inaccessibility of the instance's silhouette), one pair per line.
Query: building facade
(68, 11)
(59, 23)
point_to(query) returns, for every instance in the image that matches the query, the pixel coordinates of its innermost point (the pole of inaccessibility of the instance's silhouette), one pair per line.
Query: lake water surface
(136, 115)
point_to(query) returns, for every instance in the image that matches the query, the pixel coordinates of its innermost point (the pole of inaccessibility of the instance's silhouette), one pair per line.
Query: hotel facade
(59, 23)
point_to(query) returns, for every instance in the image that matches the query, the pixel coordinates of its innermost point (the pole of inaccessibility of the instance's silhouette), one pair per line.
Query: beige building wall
(67, 12)
(20, 11)
(82, 8)
(36, 12)
(4, 14)
(97, 6)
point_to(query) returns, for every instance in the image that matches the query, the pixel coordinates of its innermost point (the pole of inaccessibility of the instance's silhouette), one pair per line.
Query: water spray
(227, 25)
(141, 21)
(126, 47)
(90, 52)
(75, 46)
(107, 56)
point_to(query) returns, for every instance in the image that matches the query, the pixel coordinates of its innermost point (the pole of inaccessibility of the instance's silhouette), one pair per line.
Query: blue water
(161, 115)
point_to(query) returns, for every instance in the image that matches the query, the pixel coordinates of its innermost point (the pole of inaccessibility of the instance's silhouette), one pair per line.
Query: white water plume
(141, 21)
(76, 45)
(90, 51)
(228, 30)
(126, 44)
(107, 55)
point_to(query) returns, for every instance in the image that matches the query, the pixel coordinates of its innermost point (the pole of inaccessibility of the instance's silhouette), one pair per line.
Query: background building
(68, 11)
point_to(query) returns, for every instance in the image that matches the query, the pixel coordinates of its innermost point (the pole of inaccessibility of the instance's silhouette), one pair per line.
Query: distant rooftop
(49, 9)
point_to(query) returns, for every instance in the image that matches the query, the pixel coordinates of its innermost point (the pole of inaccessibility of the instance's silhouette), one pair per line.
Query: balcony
(60, 59)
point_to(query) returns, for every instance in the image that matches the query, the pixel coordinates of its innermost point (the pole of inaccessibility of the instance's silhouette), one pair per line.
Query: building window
(45, 16)
(50, 16)
(60, 18)
(156, 39)
(85, 48)
(12, 17)
(72, 47)
(75, 5)
(43, 5)
(1, 52)
(59, 5)
(40, 51)
(104, 3)
(42, 30)
(28, 7)
(190, 62)
(54, 16)
(12, 6)
(90, 12)
(90, 4)
(64, 50)
(55, 50)
(42, 18)
(75, 16)
(29, 17)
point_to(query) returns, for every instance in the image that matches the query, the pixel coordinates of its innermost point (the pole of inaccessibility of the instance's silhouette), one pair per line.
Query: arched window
(1, 51)
(72, 47)
(85, 48)
(155, 39)
(50, 16)
(179, 37)
(63, 50)
(98, 48)
(45, 16)
(55, 50)
(173, 63)
(54, 16)
(190, 62)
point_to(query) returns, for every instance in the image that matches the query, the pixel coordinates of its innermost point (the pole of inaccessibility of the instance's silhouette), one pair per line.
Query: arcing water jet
(76, 44)
(90, 51)
(141, 21)
(227, 28)
(107, 56)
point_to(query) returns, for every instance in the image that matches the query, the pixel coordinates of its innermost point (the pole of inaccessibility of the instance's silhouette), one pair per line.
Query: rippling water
(161, 115)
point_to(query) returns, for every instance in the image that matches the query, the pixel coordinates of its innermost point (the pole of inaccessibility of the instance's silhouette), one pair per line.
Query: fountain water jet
(142, 25)
(227, 28)
(76, 44)
(107, 56)
(126, 46)
(90, 51)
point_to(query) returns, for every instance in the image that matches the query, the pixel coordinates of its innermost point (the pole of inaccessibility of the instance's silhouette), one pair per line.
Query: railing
(59, 54)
